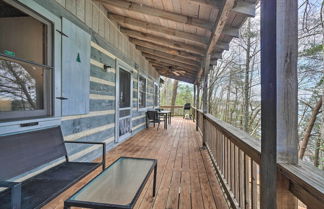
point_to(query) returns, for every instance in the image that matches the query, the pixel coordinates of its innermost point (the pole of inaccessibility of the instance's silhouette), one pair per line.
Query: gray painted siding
(99, 123)
(83, 125)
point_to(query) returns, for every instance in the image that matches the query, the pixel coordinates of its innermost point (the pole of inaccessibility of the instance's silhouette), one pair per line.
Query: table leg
(169, 118)
(165, 121)
(154, 180)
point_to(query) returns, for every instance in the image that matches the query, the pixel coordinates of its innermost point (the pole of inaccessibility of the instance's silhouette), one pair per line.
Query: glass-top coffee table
(118, 186)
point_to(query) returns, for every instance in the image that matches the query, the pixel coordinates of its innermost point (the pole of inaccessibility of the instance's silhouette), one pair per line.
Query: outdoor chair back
(23, 152)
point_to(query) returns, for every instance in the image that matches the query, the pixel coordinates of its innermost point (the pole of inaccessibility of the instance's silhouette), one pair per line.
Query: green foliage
(184, 94)
(313, 50)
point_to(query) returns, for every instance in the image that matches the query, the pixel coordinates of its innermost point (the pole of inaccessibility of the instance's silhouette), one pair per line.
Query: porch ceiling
(176, 35)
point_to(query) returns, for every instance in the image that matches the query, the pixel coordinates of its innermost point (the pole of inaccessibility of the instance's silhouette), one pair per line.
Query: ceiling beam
(131, 23)
(213, 62)
(219, 24)
(163, 41)
(180, 78)
(166, 49)
(146, 10)
(166, 72)
(156, 62)
(216, 56)
(222, 45)
(230, 31)
(171, 62)
(168, 56)
(210, 3)
(244, 8)
(167, 69)
(240, 7)
(221, 19)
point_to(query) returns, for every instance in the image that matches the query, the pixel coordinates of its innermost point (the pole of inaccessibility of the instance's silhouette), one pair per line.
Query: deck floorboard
(185, 179)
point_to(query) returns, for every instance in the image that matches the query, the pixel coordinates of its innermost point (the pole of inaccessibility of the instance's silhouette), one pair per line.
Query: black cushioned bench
(21, 153)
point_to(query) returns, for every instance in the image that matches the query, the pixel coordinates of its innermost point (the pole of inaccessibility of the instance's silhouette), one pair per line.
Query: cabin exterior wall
(108, 47)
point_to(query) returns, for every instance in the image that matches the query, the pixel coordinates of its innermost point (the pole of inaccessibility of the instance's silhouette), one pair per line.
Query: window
(25, 64)
(141, 92)
(156, 95)
(124, 89)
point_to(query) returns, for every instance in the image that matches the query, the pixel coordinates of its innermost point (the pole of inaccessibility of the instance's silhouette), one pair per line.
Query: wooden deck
(185, 179)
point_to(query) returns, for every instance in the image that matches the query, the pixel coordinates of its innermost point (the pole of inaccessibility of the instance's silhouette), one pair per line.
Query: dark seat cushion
(40, 189)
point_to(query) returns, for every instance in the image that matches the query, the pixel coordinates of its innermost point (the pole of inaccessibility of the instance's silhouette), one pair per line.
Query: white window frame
(124, 66)
(47, 70)
(53, 119)
(138, 93)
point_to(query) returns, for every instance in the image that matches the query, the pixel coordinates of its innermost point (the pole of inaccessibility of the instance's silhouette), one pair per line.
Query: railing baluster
(247, 186)
(253, 185)
(232, 166)
(229, 162)
(222, 150)
(234, 173)
(241, 178)
(218, 152)
(225, 158)
(215, 148)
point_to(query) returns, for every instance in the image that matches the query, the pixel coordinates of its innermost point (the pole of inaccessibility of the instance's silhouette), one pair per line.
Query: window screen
(142, 92)
(124, 89)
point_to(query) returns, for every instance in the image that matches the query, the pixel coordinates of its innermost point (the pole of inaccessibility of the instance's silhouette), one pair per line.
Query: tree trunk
(228, 97)
(247, 80)
(304, 142)
(174, 95)
(210, 92)
(317, 151)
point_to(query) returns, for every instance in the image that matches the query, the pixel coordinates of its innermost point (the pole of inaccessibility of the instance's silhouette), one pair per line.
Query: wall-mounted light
(106, 67)
(136, 66)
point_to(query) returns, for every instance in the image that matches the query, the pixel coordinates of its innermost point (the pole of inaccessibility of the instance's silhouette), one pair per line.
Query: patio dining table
(167, 117)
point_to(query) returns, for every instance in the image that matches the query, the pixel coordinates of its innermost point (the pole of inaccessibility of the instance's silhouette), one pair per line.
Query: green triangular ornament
(78, 59)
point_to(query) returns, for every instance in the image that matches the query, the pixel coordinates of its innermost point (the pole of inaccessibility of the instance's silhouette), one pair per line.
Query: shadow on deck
(186, 178)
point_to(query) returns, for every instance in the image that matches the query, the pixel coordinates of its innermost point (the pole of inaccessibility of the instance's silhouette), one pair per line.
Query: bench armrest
(15, 188)
(103, 162)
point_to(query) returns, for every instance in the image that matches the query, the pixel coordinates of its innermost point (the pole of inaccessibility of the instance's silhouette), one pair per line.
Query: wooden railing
(178, 109)
(236, 157)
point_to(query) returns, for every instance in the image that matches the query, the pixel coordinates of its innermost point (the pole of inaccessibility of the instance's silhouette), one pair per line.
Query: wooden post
(205, 95)
(287, 104)
(268, 164)
(278, 108)
(287, 48)
(194, 103)
(205, 86)
(197, 105)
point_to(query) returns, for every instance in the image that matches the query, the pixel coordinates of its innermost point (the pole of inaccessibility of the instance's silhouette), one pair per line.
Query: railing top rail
(170, 106)
(306, 182)
(250, 145)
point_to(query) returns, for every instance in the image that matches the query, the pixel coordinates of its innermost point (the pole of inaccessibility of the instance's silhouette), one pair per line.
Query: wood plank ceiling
(175, 36)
